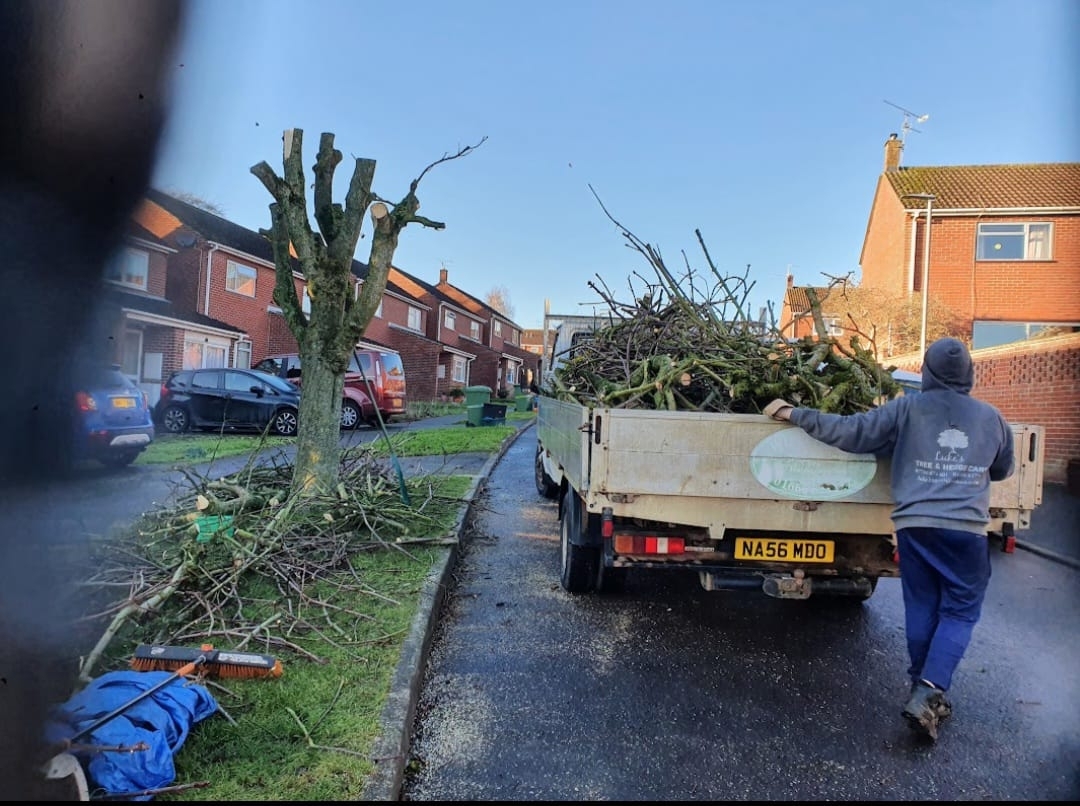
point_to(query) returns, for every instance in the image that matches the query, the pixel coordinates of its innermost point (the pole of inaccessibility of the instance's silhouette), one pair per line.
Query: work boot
(925, 709)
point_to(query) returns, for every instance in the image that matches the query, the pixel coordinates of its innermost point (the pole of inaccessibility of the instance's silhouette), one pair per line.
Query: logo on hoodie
(949, 465)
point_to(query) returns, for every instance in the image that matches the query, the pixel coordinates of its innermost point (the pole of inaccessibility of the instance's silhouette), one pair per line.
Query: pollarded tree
(328, 334)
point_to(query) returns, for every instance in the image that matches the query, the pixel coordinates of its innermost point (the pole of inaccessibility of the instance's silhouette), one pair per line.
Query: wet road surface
(669, 692)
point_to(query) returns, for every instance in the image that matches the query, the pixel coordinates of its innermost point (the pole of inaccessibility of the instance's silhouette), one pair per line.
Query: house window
(201, 353)
(240, 279)
(498, 328)
(450, 320)
(243, 355)
(305, 301)
(414, 318)
(832, 327)
(457, 369)
(131, 267)
(474, 330)
(511, 376)
(1014, 241)
(994, 334)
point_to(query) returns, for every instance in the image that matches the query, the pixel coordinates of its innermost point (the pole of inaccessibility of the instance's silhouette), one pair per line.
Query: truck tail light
(648, 544)
(607, 523)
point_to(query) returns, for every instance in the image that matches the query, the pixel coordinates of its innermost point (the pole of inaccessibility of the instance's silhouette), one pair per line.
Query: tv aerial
(908, 117)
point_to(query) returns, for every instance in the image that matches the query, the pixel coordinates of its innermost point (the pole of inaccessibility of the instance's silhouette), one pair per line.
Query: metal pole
(925, 273)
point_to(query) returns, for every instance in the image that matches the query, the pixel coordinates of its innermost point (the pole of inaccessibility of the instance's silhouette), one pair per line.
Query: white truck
(740, 500)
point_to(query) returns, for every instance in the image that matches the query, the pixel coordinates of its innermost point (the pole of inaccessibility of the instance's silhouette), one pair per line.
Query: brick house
(502, 364)
(458, 340)
(1004, 253)
(219, 269)
(1004, 266)
(148, 334)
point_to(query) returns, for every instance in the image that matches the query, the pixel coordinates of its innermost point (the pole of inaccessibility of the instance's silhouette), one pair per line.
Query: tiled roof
(834, 301)
(214, 227)
(136, 230)
(1054, 184)
(159, 306)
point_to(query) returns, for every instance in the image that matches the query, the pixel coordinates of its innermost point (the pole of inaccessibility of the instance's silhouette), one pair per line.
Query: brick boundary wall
(1035, 382)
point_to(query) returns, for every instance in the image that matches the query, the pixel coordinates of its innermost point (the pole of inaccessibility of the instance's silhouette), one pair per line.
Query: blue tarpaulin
(162, 721)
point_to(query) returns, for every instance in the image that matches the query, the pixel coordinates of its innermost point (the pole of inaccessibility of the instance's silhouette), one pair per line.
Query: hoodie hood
(947, 365)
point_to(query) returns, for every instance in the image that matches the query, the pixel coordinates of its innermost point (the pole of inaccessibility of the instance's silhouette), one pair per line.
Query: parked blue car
(112, 420)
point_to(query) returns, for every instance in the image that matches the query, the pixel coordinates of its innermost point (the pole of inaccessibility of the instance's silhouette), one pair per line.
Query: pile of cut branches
(240, 559)
(688, 343)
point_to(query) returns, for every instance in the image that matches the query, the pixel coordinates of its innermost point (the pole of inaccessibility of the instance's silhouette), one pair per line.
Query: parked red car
(375, 381)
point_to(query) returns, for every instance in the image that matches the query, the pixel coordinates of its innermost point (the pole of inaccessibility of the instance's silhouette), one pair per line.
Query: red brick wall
(279, 339)
(1035, 382)
(158, 268)
(184, 280)
(1007, 291)
(1018, 291)
(420, 357)
(885, 263)
(247, 313)
(170, 343)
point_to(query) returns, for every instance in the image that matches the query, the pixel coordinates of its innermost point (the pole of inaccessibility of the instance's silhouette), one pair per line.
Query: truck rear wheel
(578, 566)
(544, 483)
(610, 579)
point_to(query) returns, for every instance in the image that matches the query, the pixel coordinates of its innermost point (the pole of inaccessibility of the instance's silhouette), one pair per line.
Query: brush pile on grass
(689, 343)
(239, 560)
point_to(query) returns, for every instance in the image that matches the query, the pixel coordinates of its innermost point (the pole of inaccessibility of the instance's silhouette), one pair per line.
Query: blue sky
(760, 123)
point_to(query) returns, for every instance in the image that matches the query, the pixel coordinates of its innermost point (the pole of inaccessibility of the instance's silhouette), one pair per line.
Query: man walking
(946, 448)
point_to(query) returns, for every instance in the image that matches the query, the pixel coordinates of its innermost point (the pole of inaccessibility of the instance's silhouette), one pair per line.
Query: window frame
(1024, 233)
(120, 262)
(450, 320)
(456, 362)
(242, 348)
(419, 318)
(474, 329)
(233, 271)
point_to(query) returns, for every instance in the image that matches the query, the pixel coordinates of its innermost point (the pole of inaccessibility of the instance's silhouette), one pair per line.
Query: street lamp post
(929, 199)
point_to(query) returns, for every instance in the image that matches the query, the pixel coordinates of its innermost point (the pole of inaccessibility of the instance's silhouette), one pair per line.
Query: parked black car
(112, 422)
(233, 399)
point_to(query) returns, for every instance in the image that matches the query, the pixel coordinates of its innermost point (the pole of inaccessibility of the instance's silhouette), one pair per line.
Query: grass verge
(195, 448)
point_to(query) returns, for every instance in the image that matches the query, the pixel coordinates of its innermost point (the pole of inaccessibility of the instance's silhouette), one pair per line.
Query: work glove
(779, 410)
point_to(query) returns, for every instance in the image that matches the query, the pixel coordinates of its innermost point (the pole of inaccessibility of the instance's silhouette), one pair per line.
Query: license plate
(123, 402)
(783, 551)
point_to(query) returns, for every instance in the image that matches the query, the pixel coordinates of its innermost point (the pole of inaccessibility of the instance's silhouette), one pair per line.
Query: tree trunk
(318, 442)
(329, 334)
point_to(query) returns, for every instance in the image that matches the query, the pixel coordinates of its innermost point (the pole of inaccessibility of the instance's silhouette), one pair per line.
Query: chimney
(893, 146)
(442, 276)
(790, 280)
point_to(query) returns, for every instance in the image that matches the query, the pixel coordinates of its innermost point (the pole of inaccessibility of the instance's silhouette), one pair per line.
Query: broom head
(216, 663)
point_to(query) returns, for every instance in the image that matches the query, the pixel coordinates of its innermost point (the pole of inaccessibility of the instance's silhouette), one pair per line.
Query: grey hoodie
(946, 446)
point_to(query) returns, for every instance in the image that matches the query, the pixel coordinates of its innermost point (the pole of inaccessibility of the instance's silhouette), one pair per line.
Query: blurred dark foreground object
(85, 99)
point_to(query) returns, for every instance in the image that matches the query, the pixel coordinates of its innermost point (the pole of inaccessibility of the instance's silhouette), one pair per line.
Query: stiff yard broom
(211, 662)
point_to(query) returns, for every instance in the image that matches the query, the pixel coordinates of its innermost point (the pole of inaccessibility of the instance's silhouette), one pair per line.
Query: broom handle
(183, 670)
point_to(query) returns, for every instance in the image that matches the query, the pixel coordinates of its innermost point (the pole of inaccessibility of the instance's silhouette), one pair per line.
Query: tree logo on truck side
(793, 464)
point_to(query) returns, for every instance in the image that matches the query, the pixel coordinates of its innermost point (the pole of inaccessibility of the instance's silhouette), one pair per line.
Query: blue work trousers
(944, 574)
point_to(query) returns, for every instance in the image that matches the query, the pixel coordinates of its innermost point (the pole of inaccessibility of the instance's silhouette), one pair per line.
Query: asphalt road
(669, 692)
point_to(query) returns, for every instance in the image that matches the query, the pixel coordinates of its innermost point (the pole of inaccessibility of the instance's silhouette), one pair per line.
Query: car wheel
(285, 422)
(120, 458)
(578, 564)
(544, 483)
(350, 415)
(175, 420)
